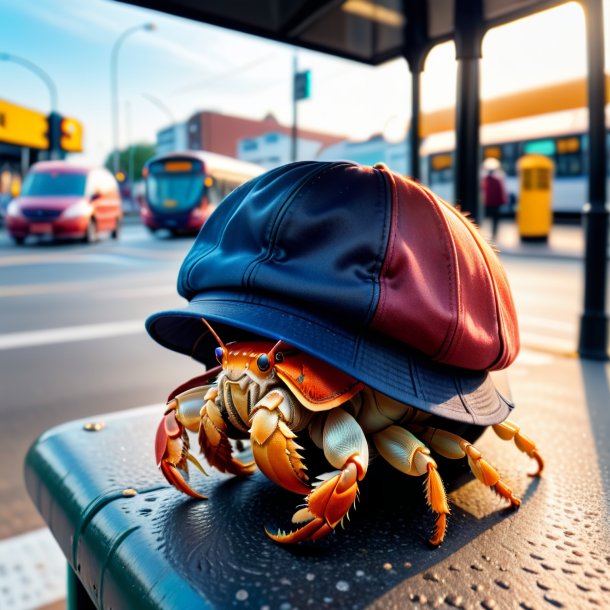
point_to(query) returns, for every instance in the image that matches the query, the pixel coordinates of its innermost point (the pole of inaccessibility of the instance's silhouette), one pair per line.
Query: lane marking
(560, 325)
(32, 571)
(118, 256)
(94, 289)
(70, 333)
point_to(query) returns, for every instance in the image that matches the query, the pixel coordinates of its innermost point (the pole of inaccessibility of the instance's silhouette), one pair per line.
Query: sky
(183, 67)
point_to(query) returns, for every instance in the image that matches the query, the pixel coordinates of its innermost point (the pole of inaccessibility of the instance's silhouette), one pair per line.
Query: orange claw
(509, 430)
(172, 453)
(327, 505)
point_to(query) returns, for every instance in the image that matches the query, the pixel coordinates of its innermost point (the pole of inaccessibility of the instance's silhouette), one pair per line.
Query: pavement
(565, 240)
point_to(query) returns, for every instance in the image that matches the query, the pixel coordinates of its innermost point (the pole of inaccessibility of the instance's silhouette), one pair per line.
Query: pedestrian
(494, 192)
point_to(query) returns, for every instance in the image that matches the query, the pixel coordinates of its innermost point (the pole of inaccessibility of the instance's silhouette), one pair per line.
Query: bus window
(441, 168)
(175, 185)
(569, 161)
(541, 147)
(510, 156)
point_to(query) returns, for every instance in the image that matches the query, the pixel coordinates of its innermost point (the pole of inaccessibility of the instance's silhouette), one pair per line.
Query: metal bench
(133, 542)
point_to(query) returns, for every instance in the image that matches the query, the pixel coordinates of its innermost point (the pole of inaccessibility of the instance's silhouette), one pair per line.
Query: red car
(62, 200)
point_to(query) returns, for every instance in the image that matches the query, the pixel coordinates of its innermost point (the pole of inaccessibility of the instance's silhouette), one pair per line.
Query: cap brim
(386, 366)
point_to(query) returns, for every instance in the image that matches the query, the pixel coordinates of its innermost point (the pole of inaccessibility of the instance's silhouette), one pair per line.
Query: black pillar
(468, 37)
(416, 48)
(593, 341)
(414, 138)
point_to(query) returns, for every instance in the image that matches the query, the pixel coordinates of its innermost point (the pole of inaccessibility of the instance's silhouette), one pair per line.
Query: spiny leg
(455, 447)
(345, 448)
(214, 441)
(508, 430)
(407, 453)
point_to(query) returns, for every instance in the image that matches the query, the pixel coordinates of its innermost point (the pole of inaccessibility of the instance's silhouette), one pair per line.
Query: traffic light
(54, 134)
(71, 139)
(64, 134)
(302, 85)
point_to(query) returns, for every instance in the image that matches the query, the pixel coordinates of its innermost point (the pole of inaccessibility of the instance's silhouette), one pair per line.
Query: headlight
(13, 210)
(78, 210)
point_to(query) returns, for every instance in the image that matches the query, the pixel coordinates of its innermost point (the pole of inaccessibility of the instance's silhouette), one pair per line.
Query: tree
(132, 160)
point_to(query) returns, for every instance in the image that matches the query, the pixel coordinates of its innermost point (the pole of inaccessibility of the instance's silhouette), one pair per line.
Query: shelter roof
(369, 31)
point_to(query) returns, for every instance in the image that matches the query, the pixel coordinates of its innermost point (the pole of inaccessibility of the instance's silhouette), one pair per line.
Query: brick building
(221, 133)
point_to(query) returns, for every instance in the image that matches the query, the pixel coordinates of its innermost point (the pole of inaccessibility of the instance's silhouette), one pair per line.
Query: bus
(551, 121)
(182, 189)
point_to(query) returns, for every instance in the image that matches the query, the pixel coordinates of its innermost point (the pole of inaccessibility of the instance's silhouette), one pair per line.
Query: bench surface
(159, 549)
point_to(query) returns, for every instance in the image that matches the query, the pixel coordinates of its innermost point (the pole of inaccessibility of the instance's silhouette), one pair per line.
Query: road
(73, 345)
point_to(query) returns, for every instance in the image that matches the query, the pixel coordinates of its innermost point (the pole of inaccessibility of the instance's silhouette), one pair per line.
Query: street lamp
(32, 67)
(114, 87)
(161, 106)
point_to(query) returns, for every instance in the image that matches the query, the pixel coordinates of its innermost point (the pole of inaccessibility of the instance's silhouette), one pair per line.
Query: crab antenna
(276, 347)
(214, 334)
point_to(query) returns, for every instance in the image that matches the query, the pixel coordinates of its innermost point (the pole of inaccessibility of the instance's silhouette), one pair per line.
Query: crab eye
(263, 363)
(219, 353)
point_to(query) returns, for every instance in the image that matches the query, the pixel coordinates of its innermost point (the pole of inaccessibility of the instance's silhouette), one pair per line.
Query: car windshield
(54, 185)
(174, 192)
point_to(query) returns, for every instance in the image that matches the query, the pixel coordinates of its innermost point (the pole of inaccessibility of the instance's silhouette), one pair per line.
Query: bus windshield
(170, 189)
(54, 185)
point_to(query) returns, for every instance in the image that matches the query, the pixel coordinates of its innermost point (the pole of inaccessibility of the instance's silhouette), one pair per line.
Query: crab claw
(509, 430)
(273, 446)
(172, 453)
(327, 504)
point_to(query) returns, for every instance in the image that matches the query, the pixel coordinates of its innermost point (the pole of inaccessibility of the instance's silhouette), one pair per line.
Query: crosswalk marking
(32, 571)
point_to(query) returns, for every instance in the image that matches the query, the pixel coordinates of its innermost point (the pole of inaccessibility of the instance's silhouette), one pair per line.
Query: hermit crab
(272, 393)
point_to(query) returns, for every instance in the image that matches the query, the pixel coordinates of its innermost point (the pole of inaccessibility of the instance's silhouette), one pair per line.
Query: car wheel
(116, 233)
(91, 233)
(19, 241)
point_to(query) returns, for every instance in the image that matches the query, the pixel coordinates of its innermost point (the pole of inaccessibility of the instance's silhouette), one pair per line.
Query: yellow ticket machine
(535, 209)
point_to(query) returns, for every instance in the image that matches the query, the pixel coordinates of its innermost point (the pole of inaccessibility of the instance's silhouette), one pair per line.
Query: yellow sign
(178, 166)
(22, 126)
(71, 135)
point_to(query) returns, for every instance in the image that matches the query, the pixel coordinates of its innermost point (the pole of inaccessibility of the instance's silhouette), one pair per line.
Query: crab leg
(185, 412)
(508, 430)
(407, 453)
(345, 447)
(273, 445)
(214, 441)
(172, 441)
(454, 447)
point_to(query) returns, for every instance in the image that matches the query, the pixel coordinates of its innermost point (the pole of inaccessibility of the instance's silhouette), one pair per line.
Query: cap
(362, 268)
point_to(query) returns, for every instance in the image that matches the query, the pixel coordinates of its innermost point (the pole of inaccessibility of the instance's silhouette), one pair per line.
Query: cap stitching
(382, 177)
(251, 272)
(186, 282)
(452, 273)
(498, 309)
(391, 245)
(460, 387)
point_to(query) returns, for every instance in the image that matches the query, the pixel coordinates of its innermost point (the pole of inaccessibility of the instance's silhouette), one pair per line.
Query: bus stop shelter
(375, 31)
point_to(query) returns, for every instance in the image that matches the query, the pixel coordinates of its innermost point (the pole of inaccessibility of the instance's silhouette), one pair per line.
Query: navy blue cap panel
(275, 235)
(237, 235)
(305, 242)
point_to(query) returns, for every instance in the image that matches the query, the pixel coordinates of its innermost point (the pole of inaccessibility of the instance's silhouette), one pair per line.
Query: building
(221, 133)
(374, 150)
(171, 138)
(275, 148)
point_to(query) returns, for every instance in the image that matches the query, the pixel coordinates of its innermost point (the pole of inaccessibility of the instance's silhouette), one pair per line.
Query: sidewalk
(565, 241)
